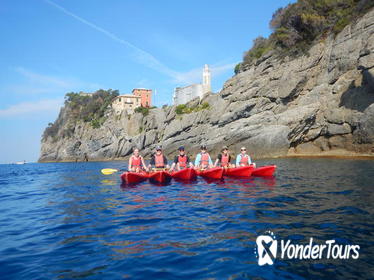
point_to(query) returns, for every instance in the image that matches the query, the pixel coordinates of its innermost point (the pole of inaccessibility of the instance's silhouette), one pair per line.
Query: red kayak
(133, 177)
(161, 177)
(242, 171)
(184, 174)
(264, 170)
(213, 173)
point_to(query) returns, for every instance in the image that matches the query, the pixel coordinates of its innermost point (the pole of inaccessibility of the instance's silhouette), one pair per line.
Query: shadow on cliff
(359, 98)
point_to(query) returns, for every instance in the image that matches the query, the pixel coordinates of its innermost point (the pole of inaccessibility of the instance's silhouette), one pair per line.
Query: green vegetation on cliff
(82, 107)
(184, 109)
(144, 110)
(89, 107)
(296, 26)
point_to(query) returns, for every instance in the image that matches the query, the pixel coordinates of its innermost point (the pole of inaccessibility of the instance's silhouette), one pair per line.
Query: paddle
(108, 171)
(159, 169)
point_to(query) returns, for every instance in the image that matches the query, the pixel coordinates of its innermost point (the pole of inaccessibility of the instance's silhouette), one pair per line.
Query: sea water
(67, 221)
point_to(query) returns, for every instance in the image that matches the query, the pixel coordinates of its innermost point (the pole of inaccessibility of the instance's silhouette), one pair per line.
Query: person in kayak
(158, 160)
(181, 161)
(243, 159)
(203, 160)
(136, 162)
(224, 158)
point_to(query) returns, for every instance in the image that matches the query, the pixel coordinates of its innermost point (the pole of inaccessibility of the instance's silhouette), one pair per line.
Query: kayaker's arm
(172, 167)
(130, 163)
(249, 160)
(190, 164)
(151, 162)
(218, 160)
(229, 163)
(174, 164)
(166, 162)
(144, 165)
(210, 161)
(197, 160)
(237, 163)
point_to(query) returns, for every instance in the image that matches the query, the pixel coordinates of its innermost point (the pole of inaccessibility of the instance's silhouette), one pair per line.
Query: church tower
(206, 79)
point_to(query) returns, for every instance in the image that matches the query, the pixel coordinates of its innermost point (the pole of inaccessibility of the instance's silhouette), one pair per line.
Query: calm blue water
(67, 221)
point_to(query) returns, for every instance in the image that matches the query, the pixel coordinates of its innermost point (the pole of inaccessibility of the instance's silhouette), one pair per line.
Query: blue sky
(49, 48)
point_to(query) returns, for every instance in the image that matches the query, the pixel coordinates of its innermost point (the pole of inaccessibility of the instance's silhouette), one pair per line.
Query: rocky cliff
(321, 103)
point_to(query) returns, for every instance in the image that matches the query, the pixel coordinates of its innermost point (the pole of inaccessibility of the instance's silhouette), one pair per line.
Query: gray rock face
(318, 103)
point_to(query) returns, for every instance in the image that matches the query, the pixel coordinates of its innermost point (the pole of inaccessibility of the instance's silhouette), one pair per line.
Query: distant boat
(21, 162)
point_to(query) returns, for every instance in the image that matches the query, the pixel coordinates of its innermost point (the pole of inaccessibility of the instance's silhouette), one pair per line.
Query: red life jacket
(136, 161)
(244, 160)
(204, 161)
(225, 160)
(159, 161)
(182, 161)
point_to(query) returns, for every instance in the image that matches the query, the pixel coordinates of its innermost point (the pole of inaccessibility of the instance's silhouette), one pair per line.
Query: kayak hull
(264, 171)
(133, 177)
(242, 171)
(213, 173)
(186, 174)
(160, 177)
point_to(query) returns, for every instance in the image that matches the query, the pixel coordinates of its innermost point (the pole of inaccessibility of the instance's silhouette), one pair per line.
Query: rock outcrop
(316, 104)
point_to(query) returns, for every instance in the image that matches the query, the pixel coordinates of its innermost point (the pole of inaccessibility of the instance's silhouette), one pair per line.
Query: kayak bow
(242, 171)
(160, 177)
(184, 174)
(213, 173)
(264, 170)
(133, 177)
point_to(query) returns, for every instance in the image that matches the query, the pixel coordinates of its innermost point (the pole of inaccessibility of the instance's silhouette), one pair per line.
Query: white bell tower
(206, 79)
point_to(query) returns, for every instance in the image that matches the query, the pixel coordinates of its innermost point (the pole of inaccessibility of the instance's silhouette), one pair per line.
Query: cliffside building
(145, 96)
(140, 97)
(184, 94)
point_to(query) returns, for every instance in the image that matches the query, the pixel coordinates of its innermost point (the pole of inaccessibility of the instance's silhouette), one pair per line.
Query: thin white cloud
(32, 108)
(43, 79)
(146, 58)
(141, 56)
(36, 83)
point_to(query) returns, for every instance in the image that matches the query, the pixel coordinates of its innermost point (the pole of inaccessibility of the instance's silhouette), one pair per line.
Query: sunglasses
(243, 149)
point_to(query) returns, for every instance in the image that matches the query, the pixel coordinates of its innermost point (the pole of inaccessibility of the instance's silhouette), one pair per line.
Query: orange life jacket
(159, 161)
(204, 161)
(225, 160)
(244, 160)
(136, 161)
(182, 161)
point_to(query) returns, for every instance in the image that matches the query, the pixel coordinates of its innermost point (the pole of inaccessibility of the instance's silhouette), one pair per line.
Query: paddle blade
(108, 171)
